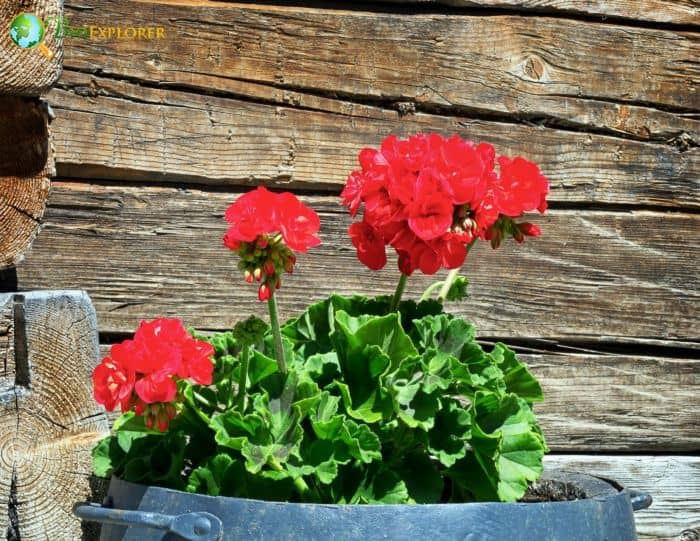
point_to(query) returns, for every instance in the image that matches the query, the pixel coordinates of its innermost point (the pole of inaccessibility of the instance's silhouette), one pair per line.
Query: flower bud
(531, 230)
(264, 292)
(278, 283)
(257, 273)
(248, 276)
(262, 241)
(162, 419)
(269, 268)
(149, 420)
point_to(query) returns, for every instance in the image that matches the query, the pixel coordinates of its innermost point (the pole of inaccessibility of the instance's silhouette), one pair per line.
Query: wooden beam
(27, 71)
(673, 482)
(618, 403)
(639, 82)
(149, 251)
(646, 11)
(118, 130)
(26, 164)
(49, 421)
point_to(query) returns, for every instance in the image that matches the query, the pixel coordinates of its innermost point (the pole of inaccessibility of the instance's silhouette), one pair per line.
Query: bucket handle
(199, 526)
(639, 500)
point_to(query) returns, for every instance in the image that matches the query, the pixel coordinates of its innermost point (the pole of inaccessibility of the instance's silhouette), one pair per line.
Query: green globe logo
(27, 31)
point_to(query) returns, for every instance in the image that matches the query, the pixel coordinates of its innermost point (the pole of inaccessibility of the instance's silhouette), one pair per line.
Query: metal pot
(138, 513)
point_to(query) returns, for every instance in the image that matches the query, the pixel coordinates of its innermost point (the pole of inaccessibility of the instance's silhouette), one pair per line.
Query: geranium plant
(357, 399)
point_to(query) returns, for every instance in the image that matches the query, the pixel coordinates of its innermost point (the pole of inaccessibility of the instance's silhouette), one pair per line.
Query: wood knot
(690, 535)
(534, 68)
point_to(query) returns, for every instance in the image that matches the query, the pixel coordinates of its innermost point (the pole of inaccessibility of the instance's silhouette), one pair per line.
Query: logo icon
(27, 31)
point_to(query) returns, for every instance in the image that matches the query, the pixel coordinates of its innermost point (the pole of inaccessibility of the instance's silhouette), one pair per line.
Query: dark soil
(553, 491)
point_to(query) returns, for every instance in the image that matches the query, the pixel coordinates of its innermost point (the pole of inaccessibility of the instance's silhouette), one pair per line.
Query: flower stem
(447, 284)
(429, 291)
(301, 486)
(243, 379)
(275, 324)
(397, 294)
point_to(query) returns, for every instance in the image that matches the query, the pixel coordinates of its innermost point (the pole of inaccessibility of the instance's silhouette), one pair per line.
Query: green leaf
(422, 478)
(104, 457)
(260, 366)
(458, 289)
(507, 443)
(368, 348)
(516, 376)
(232, 428)
(449, 437)
(131, 422)
(363, 444)
(219, 476)
(416, 408)
(386, 486)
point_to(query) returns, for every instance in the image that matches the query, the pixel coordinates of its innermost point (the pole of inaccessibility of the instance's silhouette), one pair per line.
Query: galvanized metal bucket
(139, 513)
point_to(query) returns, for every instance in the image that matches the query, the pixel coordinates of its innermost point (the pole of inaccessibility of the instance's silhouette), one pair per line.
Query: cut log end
(31, 71)
(26, 163)
(49, 421)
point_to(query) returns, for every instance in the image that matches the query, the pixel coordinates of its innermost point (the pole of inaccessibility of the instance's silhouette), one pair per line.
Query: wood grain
(26, 164)
(48, 419)
(618, 403)
(28, 72)
(639, 82)
(661, 11)
(118, 130)
(673, 482)
(144, 251)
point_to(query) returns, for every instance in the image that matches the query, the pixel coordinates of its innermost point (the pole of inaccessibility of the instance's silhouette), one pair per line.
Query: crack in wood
(682, 141)
(12, 510)
(21, 353)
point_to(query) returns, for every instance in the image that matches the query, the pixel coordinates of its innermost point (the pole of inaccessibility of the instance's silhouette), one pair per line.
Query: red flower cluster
(141, 374)
(265, 228)
(429, 197)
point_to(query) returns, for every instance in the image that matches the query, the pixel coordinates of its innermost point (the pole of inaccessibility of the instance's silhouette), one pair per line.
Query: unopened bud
(531, 230)
(262, 241)
(149, 420)
(269, 268)
(257, 273)
(170, 410)
(278, 283)
(248, 276)
(264, 292)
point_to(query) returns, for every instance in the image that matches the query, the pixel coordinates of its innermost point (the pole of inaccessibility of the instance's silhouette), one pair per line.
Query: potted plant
(281, 431)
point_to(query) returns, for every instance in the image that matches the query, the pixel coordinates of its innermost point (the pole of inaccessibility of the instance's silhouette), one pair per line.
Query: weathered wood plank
(28, 72)
(148, 251)
(113, 129)
(634, 81)
(613, 403)
(48, 419)
(618, 402)
(673, 482)
(26, 164)
(662, 11)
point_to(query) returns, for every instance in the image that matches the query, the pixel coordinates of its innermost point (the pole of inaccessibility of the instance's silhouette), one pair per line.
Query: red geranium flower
(142, 373)
(113, 383)
(430, 197)
(265, 228)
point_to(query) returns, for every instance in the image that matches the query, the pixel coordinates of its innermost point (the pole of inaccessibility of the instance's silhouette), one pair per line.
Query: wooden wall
(154, 139)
